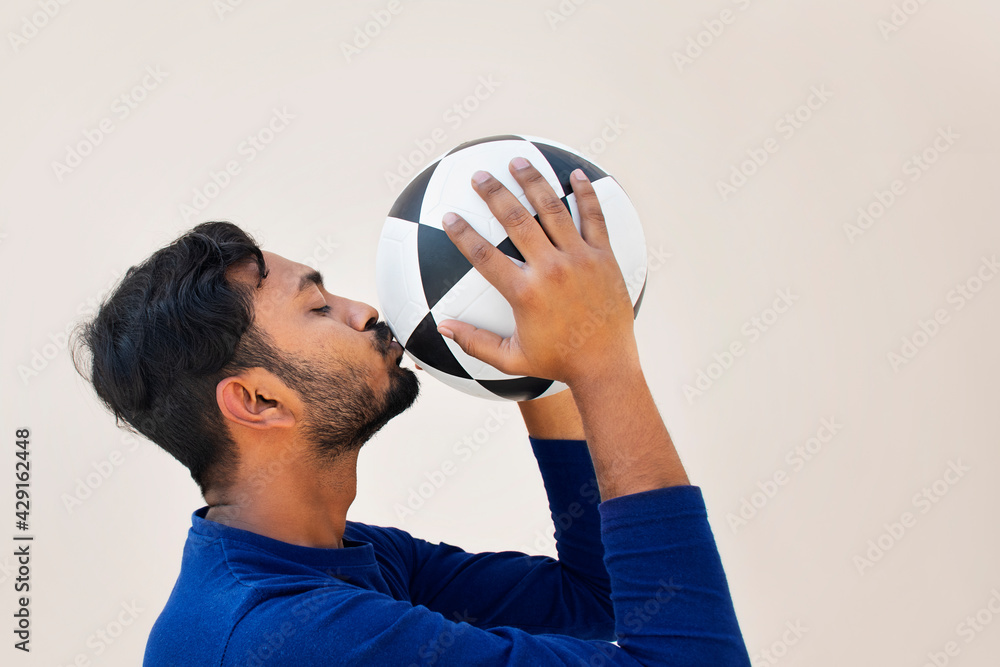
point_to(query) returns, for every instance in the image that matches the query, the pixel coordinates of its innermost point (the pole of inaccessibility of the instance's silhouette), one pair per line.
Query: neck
(299, 504)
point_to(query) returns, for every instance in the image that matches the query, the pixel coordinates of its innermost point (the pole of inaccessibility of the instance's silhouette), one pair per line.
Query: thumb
(479, 343)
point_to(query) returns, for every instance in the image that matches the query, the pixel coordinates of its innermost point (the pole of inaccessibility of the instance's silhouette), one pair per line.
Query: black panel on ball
(564, 163)
(508, 248)
(518, 389)
(484, 140)
(426, 343)
(409, 202)
(441, 263)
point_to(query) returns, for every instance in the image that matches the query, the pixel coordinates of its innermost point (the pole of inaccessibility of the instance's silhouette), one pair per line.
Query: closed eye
(324, 309)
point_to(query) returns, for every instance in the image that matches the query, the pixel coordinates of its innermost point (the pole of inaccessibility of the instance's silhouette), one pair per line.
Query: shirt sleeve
(671, 607)
(537, 594)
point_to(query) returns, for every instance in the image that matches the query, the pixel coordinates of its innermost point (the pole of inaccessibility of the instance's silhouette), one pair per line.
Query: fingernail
(449, 219)
(481, 177)
(579, 175)
(520, 163)
(447, 333)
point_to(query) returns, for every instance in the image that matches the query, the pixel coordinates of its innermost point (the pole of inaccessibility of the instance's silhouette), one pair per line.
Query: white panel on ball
(627, 239)
(397, 279)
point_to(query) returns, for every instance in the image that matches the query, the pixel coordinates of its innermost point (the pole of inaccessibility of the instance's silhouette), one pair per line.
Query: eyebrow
(307, 279)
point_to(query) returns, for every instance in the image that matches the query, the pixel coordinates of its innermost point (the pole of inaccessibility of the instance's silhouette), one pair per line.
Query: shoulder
(383, 538)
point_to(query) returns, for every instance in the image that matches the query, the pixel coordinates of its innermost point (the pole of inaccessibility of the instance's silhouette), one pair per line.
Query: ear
(253, 401)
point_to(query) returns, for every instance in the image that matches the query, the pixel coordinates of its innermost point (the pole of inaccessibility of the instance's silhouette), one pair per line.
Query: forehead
(284, 277)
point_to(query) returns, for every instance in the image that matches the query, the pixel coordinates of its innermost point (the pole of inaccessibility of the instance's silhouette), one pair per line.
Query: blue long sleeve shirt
(642, 570)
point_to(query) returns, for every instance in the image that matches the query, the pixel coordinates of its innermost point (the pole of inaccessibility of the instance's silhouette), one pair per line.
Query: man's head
(212, 347)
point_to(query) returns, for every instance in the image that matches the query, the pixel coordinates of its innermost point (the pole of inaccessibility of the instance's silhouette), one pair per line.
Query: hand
(572, 312)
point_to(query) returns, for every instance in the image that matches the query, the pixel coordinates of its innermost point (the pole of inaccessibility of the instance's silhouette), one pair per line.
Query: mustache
(383, 336)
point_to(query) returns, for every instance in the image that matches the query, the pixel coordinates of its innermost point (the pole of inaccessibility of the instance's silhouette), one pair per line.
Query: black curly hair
(169, 332)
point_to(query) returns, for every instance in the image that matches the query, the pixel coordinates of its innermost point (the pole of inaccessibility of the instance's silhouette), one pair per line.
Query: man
(265, 385)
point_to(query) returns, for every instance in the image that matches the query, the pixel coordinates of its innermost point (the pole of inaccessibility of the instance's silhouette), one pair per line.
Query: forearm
(629, 443)
(568, 475)
(554, 417)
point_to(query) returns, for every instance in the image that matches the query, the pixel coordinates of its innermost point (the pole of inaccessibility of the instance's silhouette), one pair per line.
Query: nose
(364, 315)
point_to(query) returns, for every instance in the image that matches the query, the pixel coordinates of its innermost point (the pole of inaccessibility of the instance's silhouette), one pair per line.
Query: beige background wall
(606, 78)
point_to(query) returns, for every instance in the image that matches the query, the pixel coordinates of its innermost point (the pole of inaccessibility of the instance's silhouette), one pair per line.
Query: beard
(342, 411)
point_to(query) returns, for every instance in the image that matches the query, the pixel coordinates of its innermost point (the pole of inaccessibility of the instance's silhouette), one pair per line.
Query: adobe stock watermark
(543, 539)
(430, 652)
(430, 145)
(899, 16)
(656, 259)
(105, 636)
(796, 458)
(34, 23)
(923, 501)
(968, 629)
(269, 642)
(786, 126)
(121, 108)
(712, 30)
(609, 134)
(39, 358)
(100, 472)
(561, 13)
(635, 619)
(752, 330)
(370, 30)
(254, 487)
(322, 252)
(246, 152)
(462, 451)
(914, 167)
(779, 648)
(225, 7)
(958, 298)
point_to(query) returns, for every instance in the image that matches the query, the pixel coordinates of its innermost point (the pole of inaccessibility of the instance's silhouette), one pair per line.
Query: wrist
(620, 369)
(553, 418)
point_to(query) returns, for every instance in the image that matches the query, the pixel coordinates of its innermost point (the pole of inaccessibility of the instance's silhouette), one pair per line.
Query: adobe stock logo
(121, 108)
(752, 330)
(33, 24)
(967, 629)
(924, 500)
(704, 39)
(959, 297)
(786, 126)
(796, 458)
(915, 167)
(363, 35)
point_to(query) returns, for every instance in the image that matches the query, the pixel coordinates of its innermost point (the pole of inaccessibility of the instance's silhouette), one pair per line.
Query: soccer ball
(422, 278)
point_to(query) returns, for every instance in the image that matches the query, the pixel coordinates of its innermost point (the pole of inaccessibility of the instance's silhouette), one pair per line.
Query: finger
(482, 344)
(498, 269)
(552, 212)
(526, 234)
(592, 225)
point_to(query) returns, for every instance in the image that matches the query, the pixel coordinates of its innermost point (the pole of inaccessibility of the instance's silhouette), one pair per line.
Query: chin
(404, 387)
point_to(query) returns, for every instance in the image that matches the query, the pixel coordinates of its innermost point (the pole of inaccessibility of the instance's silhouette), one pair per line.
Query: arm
(553, 418)
(537, 594)
(570, 595)
(570, 277)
